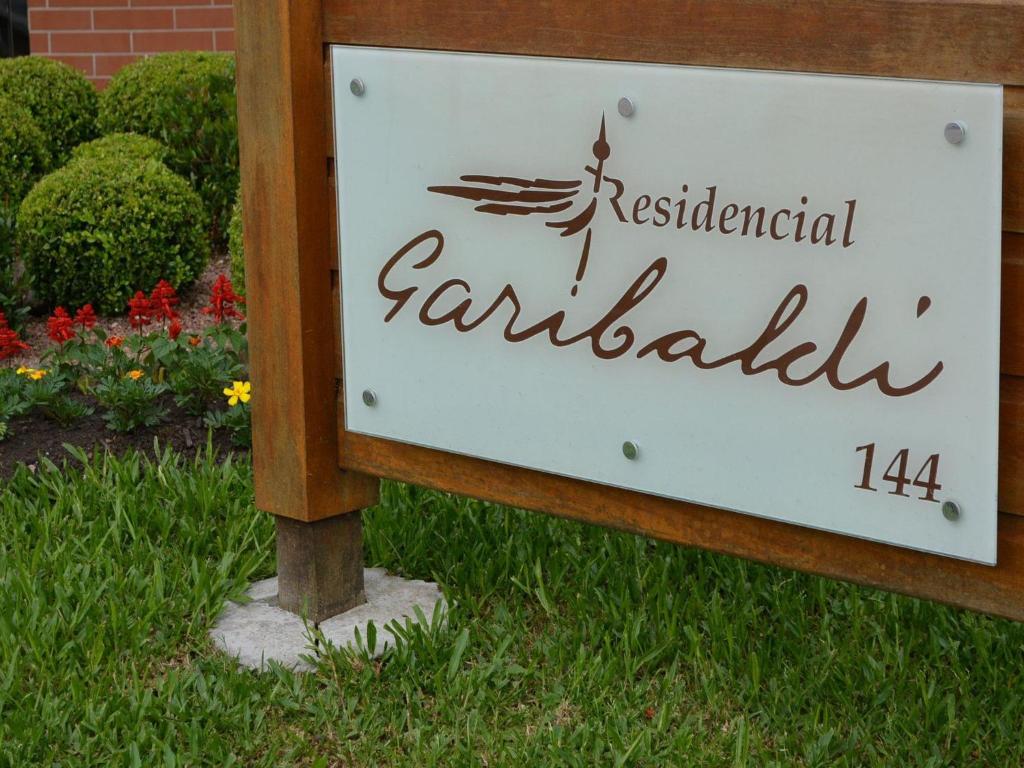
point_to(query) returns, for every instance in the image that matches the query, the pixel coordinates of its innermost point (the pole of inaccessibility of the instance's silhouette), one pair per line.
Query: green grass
(566, 645)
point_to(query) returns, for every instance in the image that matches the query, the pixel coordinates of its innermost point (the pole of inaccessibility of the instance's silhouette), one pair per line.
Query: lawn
(565, 645)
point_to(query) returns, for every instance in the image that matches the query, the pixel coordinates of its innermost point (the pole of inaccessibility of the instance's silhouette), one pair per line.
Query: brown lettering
(708, 206)
(748, 215)
(830, 220)
(611, 337)
(799, 236)
(848, 240)
(640, 205)
(775, 220)
(725, 217)
(661, 211)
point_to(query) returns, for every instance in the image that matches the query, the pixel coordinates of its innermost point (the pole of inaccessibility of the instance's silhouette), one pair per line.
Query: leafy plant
(119, 146)
(42, 386)
(66, 411)
(27, 389)
(97, 228)
(13, 289)
(200, 375)
(24, 158)
(237, 421)
(131, 376)
(236, 246)
(13, 402)
(187, 101)
(131, 402)
(61, 101)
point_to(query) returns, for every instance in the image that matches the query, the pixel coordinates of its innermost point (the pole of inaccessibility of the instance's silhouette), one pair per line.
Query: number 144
(927, 477)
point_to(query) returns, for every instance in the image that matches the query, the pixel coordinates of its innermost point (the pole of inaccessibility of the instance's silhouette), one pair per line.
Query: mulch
(35, 437)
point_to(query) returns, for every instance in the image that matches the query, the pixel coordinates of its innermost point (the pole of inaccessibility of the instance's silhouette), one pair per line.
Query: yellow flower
(238, 391)
(135, 375)
(23, 370)
(37, 374)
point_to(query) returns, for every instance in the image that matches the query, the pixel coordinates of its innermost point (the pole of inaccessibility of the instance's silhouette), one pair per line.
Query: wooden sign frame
(315, 476)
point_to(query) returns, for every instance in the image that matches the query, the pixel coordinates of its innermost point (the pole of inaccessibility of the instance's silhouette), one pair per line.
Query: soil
(35, 437)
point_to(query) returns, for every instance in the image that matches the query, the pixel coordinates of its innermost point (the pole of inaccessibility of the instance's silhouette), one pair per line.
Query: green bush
(236, 248)
(187, 101)
(60, 99)
(121, 145)
(23, 159)
(97, 229)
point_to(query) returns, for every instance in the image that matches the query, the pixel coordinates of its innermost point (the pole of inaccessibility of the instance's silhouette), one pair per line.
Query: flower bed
(90, 387)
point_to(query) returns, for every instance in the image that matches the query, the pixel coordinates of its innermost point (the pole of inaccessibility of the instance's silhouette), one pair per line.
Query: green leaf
(456, 658)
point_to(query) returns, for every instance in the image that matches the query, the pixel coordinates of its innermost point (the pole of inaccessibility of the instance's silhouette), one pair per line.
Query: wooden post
(320, 565)
(292, 330)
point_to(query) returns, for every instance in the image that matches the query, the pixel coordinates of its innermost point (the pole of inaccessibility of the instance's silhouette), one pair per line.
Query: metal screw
(369, 397)
(955, 132)
(626, 107)
(630, 450)
(357, 86)
(951, 511)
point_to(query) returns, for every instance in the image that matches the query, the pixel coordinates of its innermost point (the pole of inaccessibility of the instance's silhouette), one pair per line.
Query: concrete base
(260, 631)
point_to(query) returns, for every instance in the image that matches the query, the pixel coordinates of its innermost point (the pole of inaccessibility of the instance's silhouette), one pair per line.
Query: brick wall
(101, 36)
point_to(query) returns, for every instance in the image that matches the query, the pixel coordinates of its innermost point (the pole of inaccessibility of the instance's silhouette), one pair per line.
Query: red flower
(10, 342)
(194, 341)
(174, 329)
(222, 301)
(140, 311)
(114, 341)
(162, 301)
(85, 317)
(59, 326)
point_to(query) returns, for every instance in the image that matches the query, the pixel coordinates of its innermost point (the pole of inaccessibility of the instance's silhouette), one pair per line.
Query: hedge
(23, 160)
(61, 101)
(98, 228)
(187, 101)
(121, 145)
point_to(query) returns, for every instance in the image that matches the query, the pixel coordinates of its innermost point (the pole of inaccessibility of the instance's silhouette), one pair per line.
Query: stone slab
(260, 631)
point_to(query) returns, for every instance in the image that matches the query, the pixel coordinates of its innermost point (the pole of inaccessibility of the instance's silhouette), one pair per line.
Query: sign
(771, 293)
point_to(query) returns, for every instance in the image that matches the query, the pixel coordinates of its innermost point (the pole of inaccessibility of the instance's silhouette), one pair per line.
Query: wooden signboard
(417, 118)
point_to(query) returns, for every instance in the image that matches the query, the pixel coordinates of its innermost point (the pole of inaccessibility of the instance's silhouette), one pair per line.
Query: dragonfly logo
(511, 196)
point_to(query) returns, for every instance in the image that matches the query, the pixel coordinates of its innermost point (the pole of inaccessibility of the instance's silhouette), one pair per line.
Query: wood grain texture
(1011, 306)
(1011, 445)
(1013, 159)
(977, 41)
(320, 565)
(998, 590)
(288, 261)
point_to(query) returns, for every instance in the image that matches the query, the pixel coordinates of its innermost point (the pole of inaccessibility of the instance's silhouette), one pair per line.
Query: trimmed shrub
(98, 228)
(236, 248)
(23, 160)
(187, 101)
(61, 101)
(119, 146)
